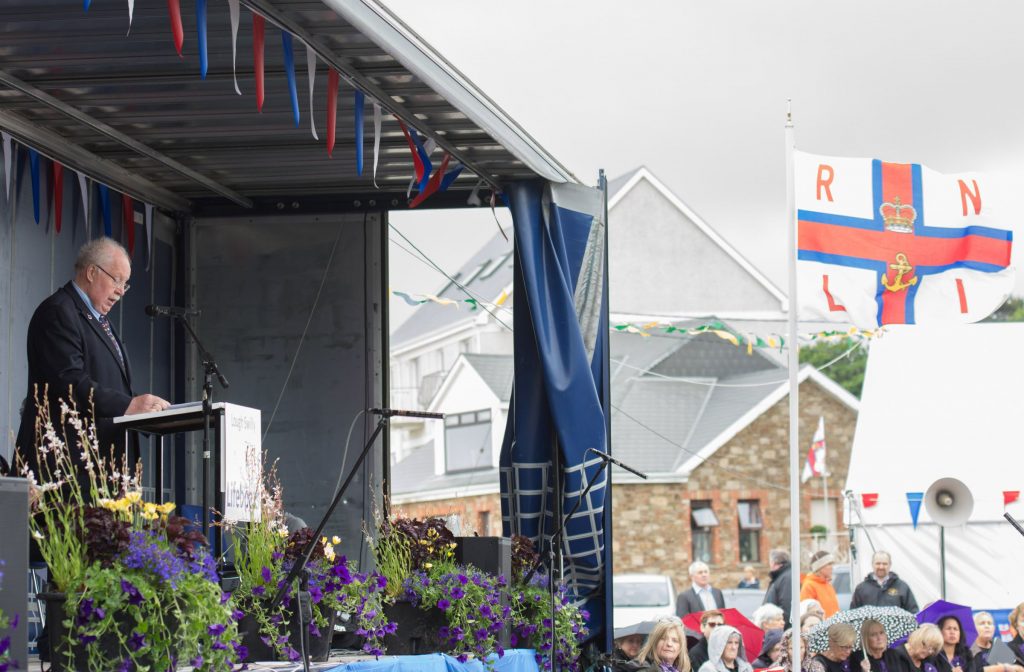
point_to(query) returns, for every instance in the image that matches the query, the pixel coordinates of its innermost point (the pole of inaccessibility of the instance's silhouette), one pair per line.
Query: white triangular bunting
(83, 189)
(311, 67)
(233, 7)
(376, 139)
(131, 13)
(7, 160)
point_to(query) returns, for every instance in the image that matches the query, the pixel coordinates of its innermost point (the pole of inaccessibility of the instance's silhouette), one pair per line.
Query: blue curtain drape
(558, 411)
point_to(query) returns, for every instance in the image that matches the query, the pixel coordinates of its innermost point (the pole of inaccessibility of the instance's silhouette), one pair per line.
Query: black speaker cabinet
(492, 555)
(14, 554)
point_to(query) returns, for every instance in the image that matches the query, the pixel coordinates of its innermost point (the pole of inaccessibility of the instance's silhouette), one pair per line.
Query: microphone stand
(300, 565)
(210, 369)
(556, 540)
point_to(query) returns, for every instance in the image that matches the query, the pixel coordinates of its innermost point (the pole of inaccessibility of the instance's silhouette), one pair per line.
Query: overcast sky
(696, 91)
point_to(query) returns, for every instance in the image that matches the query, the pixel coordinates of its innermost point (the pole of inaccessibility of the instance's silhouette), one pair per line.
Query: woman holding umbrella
(875, 654)
(807, 663)
(836, 658)
(665, 649)
(921, 645)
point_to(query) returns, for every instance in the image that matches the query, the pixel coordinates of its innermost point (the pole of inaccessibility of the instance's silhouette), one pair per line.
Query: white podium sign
(241, 463)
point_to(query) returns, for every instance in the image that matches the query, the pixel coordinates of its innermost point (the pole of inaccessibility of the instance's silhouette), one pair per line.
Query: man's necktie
(105, 323)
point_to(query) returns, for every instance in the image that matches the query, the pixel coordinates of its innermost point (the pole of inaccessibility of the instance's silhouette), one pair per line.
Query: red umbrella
(753, 636)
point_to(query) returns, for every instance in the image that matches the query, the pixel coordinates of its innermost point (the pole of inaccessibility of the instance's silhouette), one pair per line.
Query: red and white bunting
(177, 31)
(258, 29)
(131, 13)
(333, 81)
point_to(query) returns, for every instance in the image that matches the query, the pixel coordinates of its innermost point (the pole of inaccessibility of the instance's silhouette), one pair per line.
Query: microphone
(608, 458)
(169, 311)
(390, 412)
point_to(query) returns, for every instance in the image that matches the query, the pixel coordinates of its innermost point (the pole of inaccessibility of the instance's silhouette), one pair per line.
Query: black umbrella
(897, 623)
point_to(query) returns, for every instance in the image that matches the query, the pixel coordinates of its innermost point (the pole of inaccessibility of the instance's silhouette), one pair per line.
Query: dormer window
(467, 441)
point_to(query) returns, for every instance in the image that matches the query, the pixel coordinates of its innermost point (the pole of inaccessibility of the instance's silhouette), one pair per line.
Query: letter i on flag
(815, 465)
(896, 243)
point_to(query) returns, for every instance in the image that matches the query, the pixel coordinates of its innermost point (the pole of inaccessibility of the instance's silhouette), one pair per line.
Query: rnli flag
(896, 243)
(815, 464)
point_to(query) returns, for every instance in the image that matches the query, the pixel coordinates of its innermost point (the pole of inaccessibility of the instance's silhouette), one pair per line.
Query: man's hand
(146, 403)
(865, 664)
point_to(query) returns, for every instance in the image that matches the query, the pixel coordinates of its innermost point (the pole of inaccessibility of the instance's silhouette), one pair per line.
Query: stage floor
(514, 660)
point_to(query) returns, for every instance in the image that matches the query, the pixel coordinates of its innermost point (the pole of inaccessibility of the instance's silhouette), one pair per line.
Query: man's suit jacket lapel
(98, 331)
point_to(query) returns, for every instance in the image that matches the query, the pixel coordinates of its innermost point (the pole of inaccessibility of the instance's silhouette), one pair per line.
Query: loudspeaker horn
(949, 502)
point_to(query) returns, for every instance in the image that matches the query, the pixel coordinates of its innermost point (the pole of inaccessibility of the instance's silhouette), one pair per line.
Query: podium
(235, 456)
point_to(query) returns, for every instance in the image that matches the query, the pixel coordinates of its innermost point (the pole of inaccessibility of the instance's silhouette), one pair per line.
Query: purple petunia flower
(241, 650)
(443, 604)
(224, 597)
(216, 630)
(197, 661)
(259, 591)
(136, 641)
(134, 596)
(126, 665)
(219, 646)
(86, 639)
(237, 615)
(266, 574)
(313, 630)
(291, 653)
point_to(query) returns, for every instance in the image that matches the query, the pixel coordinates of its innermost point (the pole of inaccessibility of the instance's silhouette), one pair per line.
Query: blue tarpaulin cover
(514, 660)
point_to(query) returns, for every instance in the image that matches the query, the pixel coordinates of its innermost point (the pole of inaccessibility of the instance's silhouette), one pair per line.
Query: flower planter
(417, 629)
(249, 634)
(58, 644)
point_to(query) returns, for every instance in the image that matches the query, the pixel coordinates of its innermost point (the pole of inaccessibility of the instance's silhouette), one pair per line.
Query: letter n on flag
(896, 243)
(815, 465)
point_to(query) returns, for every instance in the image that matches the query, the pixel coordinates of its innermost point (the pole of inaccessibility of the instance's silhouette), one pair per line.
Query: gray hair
(777, 556)
(765, 613)
(697, 566)
(99, 252)
(876, 554)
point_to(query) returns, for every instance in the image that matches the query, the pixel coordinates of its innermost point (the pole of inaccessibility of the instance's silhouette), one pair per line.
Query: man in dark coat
(883, 588)
(778, 592)
(701, 595)
(74, 350)
(698, 653)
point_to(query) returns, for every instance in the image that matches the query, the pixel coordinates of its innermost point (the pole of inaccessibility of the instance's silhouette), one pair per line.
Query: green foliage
(1011, 311)
(847, 371)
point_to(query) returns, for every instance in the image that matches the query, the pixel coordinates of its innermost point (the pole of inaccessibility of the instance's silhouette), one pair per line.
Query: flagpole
(794, 393)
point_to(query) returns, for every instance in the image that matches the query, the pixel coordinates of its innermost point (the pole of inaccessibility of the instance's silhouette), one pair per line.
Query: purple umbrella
(938, 609)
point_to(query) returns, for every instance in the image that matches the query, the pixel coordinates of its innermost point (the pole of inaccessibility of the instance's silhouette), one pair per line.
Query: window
(467, 441)
(702, 523)
(749, 517)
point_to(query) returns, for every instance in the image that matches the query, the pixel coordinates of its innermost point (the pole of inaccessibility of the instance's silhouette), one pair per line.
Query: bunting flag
(128, 222)
(83, 189)
(149, 234)
(815, 465)
(474, 196)
(420, 299)
(311, 68)
(108, 230)
(432, 184)
(58, 194)
(333, 81)
(258, 28)
(85, 4)
(289, 71)
(417, 162)
(233, 9)
(201, 31)
(131, 12)
(421, 150)
(450, 177)
(1010, 496)
(178, 33)
(7, 160)
(869, 499)
(377, 120)
(914, 500)
(33, 160)
(360, 103)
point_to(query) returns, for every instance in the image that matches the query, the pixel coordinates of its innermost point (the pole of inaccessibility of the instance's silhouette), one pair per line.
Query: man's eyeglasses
(713, 624)
(123, 286)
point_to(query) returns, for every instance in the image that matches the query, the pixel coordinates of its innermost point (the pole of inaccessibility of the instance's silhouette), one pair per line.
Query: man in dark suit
(701, 596)
(72, 346)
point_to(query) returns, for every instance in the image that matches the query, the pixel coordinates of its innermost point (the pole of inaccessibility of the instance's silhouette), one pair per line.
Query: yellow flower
(283, 532)
(329, 554)
(36, 534)
(108, 504)
(427, 565)
(335, 540)
(166, 508)
(133, 497)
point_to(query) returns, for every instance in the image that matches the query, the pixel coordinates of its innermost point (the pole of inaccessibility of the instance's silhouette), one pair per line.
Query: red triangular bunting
(869, 499)
(58, 194)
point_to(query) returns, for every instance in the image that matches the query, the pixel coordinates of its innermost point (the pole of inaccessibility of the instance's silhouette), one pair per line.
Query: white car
(642, 597)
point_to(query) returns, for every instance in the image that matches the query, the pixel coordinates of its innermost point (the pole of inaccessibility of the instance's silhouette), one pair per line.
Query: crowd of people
(860, 646)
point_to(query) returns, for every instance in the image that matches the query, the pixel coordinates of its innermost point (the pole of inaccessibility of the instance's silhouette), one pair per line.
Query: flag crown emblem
(898, 217)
